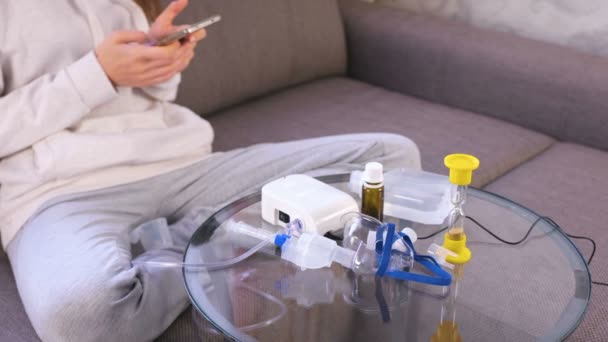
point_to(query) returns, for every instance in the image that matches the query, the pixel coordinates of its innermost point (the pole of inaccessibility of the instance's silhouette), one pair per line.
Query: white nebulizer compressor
(319, 206)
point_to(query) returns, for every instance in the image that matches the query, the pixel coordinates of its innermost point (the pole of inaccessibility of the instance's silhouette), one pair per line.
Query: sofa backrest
(260, 46)
(555, 90)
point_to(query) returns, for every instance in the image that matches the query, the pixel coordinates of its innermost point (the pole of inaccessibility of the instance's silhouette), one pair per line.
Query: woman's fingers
(162, 60)
(161, 74)
(165, 19)
(197, 36)
(165, 71)
(159, 53)
(128, 62)
(157, 64)
(166, 53)
(125, 37)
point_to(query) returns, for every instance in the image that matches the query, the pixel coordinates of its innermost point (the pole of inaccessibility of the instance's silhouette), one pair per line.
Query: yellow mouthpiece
(461, 168)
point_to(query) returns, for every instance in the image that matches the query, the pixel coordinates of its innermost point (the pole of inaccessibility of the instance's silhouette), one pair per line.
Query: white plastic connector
(440, 254)
(398, 245)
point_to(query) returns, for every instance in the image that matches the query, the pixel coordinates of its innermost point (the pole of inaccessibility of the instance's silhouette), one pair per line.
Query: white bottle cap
(410, 233)
(373, 173)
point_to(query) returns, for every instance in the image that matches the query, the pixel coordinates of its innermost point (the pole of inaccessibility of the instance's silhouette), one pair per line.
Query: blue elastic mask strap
(385, 258)
(380, 238)
(440, 278)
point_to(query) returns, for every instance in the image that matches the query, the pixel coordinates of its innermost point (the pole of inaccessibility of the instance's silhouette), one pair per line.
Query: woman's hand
(129, 62)
(163, 25)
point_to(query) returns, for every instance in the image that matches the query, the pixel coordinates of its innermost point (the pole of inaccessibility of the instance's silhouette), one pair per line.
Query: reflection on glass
(311, 287)
(373, 295)
(447, 331)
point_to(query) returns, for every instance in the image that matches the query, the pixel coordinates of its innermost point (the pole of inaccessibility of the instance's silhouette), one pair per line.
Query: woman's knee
(88, 310)
(394, 139)
(400, 151)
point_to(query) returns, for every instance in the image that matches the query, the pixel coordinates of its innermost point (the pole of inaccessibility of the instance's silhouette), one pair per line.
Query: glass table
(535, 291)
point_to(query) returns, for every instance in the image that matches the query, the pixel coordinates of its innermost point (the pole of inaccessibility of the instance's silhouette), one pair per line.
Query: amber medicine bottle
(372, 193)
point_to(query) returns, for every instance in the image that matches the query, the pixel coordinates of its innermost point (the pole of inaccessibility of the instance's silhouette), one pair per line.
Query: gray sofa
(535, 114)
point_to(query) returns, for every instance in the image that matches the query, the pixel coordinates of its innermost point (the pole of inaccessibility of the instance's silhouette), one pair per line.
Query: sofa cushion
(342, 105)
(260, 46)
(14, 323)
(569, 183)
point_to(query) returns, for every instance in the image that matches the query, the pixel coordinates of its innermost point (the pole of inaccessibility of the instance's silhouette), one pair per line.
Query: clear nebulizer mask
(381, 250)
(361, 235)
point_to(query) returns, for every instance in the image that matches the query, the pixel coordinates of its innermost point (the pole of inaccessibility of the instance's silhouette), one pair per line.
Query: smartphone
(179, 35)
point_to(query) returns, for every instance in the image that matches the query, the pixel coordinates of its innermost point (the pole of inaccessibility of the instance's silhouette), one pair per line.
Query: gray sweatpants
(72, 259)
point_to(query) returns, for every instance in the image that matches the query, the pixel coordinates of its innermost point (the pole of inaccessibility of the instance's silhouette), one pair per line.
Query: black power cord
(435, 233)
(514, 243)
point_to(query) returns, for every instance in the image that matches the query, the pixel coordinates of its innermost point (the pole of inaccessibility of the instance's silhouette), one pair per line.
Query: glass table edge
(255, 197)
(229, 209)
(569, 241)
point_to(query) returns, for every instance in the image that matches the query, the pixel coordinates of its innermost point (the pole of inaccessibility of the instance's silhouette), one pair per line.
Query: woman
(91, 147)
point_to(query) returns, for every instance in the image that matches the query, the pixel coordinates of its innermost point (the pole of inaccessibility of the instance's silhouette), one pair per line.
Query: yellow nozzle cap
(459, 247)
(461, 168)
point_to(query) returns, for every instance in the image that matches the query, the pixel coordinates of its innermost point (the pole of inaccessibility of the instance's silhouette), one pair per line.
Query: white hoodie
(63, 127)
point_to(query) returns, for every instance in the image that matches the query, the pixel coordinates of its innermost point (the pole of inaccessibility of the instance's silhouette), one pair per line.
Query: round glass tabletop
(537, 290)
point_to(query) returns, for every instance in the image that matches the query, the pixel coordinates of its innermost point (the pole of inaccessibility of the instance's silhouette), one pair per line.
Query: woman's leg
(231, 175)
(72, 265)
(235, 173)
(72, 261)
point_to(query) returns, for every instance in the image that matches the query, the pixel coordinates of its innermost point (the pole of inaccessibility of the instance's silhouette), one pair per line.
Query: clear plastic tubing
(238, 228)
(309, 251)
(211, 266)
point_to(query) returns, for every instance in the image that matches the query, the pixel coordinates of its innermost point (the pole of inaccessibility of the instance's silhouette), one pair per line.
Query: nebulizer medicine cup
(311, 251)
